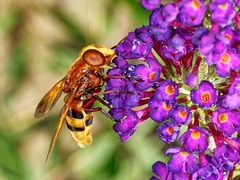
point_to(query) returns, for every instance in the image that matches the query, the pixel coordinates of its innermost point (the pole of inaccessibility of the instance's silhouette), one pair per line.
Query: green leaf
(202, 71)
(10, 162)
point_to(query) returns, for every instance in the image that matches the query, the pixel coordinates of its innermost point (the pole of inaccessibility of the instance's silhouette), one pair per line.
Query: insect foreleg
(113, 91)
(122, 77)
(114, 47)
(100, 109)
(110, 116)
(104, 112)
(110, 64)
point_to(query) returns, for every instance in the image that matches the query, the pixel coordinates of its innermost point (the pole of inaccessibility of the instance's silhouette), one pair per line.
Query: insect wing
(61, 120)
(49, 100)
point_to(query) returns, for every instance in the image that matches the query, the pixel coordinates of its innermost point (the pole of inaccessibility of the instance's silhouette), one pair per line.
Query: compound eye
(93, 57)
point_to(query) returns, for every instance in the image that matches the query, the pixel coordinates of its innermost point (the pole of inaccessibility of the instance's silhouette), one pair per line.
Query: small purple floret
(226, 121)
(136, 45)
(128, 126)
(207, 172)
(191, 12)
(181, 161)
(180, 115)
(150, 4)
(225, 62)
(173, 48)
(195, 139)
(167, 90)
(160, 110)
(160, 169)
(161, 17)
(149, 75)
(205, 96)
(222, 11)
(198, 34)
(233, 97)
(168, 132)
(225, 156)
(191, 79)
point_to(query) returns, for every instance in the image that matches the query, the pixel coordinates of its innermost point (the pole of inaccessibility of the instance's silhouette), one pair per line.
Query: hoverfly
(82, 83)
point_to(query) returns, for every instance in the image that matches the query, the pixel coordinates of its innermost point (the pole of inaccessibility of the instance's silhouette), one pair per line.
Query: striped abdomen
(79, 123)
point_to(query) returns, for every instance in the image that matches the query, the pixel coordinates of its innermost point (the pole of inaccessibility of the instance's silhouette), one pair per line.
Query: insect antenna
(114, 47)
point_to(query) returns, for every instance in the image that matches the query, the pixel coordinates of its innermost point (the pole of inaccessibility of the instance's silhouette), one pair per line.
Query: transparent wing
(49, 100)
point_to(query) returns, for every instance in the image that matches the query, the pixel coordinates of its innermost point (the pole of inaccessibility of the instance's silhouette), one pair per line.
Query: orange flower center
(192, 19)
(195, 134)
(151, 76)
(223, 6)
(183, 153)
(166, 107)
(228, 36)
(182, 114)
(206, 97)
(170, 130)
(195, 4)
(170, 89)
(173, 54)
(223, 117)
(225, 58)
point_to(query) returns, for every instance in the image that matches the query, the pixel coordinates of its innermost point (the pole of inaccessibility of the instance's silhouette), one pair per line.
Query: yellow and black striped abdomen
(79, 123)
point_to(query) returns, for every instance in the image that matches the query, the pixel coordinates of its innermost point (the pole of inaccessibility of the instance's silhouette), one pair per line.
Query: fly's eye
(93, 57)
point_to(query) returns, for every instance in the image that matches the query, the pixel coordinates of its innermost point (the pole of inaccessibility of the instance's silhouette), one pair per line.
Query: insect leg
(114, 47)
(103, 102)
(100, 109)
(112, 64)
(110, 116)
(92, 109)
(130, 77)
(89, 102)
(112, 91)
(104, 112)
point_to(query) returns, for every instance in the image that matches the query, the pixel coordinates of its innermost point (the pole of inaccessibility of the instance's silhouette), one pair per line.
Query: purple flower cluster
(184, 70)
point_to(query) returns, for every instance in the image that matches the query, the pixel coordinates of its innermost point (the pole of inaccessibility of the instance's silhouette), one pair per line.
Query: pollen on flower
(223, 117)
(183, 153)
(173, 54)
(223, 6)
(166, 107)
(170, 89)
(170, 130)
(225, 58)
(192, 19)
(228, 36)
(195, 4)
(195, 134)
(206, 97)
(151, 76)
(182, 114)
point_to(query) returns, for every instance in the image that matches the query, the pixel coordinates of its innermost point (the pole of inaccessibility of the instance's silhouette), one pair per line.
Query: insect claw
(112, 64)
(117, 120)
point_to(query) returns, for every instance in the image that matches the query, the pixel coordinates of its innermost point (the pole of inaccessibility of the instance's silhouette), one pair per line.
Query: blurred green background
(40, 39)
